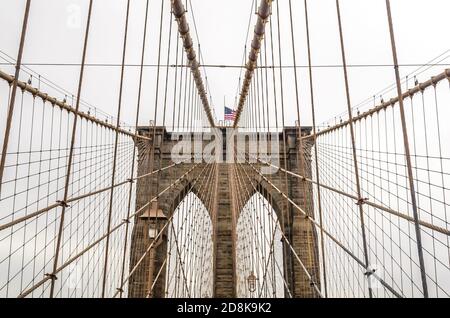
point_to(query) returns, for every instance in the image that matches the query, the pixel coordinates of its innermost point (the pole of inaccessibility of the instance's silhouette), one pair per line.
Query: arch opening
(259, 251)
(190, 251)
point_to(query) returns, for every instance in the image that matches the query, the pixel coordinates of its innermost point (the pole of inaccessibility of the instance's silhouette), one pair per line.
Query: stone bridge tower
(298, 229)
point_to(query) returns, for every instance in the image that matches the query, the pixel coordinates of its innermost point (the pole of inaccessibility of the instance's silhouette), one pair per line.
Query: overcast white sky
(421, 32)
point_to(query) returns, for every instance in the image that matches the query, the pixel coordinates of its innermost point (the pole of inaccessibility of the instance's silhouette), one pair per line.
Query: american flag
(229, 114)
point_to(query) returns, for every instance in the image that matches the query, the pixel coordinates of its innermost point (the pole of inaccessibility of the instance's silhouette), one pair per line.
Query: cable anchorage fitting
(362, 201)
(51, 276)
(63, 203)
(369, 272)
(447, 74)
(434, 82)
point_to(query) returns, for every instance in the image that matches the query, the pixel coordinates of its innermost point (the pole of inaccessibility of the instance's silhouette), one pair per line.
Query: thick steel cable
(271, 258)
(310, 277)
(163, 265)
(167, 71)
(180, 93)
(272, 241)
(177, 264)
(300, 156)
(83, 196)
(155, 116)
(440, 159)
(313, 113)
(245, 45)
(152, 154)
(183, 28)
(243, 206)
(210, 209)
(141, 259)
(203, 186)
(366, 201)
(175, 82)
(253, 226)
(138, 107)
(185, 243)
(407, 152)
(201, 60)
(184, 191)
(169, 255)
(269, 135)
(355, 159)
(178, 256)
(263, 15)
(388, 103)
(12, 98)
(308, 217)
(265, 98)
(196, 243)
(72, 144)
(113, 229)
(192, 247)
(69, 108)
(114, 165)
(284, 135)
(227, 66)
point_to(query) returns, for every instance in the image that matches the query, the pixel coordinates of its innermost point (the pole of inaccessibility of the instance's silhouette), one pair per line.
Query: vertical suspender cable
(355, 160)
(164, 125)
(313, 112)
(263, 16)
(72, 144)
(138, 107)
(155, 116)
(183, 28)
(286, 250)
(300, 161)
(116, 143)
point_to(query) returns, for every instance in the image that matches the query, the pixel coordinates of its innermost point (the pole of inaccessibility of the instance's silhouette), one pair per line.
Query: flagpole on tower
(224, 105)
